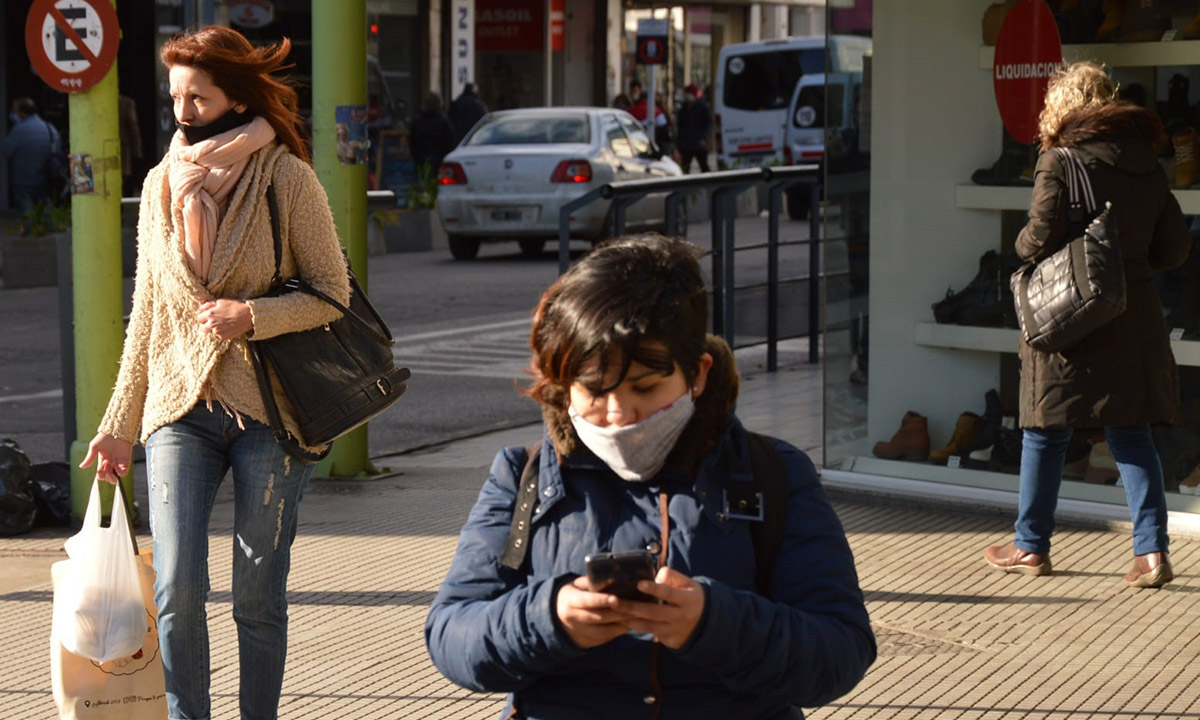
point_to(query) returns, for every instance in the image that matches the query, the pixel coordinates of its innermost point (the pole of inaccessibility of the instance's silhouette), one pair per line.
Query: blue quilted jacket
(495, 629)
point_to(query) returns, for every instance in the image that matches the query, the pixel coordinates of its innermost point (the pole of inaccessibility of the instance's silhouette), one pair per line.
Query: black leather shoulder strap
(517, 546)
(770, 474)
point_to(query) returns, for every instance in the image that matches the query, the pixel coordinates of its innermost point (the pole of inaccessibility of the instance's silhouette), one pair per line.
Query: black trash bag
(52, 493)
(17, 507)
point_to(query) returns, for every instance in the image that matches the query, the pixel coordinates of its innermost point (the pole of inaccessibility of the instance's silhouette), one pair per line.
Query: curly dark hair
(628, 290)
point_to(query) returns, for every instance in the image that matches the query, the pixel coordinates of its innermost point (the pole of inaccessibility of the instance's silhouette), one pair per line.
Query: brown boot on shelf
(1190, 485)
(965, 432)
(1186, 169)
(911, 441)
(1114, 15)
(1191, 31)
(1150, 571)
(1102, 466)
(1144, 21)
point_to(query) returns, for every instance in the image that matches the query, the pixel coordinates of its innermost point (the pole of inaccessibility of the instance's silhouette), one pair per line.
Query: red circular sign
(72, 43)
(1028, 52)
(652, 50)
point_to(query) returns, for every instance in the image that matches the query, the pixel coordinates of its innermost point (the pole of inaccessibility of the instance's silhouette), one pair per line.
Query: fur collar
(713, 408)
(1118, 120)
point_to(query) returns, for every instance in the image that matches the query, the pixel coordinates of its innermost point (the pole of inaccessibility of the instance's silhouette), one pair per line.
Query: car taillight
(717, 134)
(451, 173)
(787, 155)
(812, 154)
(572, 171)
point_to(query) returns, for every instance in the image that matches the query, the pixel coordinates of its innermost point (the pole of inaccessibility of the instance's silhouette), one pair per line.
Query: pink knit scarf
(202, 176)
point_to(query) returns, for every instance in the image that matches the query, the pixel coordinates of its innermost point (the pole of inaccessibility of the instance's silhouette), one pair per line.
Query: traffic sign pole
(73, 49)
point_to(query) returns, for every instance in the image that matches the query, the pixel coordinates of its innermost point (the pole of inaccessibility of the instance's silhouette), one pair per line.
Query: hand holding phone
(618, 573)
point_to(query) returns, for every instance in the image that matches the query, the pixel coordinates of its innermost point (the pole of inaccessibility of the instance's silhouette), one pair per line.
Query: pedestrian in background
(131, 142)
(185, 388)
(465, 111)
(640, 441)
(1123, 376)
(695, 127)
(431, 136)
(27, 149)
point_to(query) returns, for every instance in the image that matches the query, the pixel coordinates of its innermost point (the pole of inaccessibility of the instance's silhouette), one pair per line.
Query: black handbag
(336, 376)
(1067, 296)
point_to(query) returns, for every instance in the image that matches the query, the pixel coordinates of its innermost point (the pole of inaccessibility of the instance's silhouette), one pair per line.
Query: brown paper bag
(125, 689)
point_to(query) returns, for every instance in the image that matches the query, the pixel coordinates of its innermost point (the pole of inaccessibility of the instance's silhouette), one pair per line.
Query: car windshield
(522, 129)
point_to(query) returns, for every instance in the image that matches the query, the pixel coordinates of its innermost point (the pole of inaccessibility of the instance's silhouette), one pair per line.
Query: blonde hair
(1081, 86)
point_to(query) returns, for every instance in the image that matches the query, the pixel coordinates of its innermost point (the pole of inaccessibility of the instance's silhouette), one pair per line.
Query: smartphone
(618, 573)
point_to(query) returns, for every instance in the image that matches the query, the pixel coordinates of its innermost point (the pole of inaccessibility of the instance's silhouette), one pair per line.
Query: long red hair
(244, 73)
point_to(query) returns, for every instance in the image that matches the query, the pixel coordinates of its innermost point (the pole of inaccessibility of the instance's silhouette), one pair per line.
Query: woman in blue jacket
(640, 445)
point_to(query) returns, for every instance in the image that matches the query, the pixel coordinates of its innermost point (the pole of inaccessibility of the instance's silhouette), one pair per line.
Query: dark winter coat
(430, 138)
(465, 111)
(493, 629)
(1124, 372)
(695, 126)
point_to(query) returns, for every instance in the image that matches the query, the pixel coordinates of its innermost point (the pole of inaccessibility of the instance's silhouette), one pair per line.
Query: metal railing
(724, 187)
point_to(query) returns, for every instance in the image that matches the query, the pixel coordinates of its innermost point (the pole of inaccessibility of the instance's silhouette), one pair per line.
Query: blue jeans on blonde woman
(1043, 455)
(186, 463)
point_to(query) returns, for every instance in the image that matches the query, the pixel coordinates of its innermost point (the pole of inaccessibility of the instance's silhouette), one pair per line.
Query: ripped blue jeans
(186, 462)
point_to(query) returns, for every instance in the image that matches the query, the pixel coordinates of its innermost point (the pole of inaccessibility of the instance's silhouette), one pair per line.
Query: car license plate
(506, 214)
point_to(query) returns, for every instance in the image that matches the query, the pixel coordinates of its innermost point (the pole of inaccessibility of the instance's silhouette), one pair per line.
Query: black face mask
(197, 133)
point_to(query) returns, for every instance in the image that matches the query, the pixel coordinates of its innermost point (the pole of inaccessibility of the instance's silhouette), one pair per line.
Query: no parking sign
(72, 43)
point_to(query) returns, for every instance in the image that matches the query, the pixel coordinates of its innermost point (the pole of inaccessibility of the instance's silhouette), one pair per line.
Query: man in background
(27, 148)
(431, 136)
(694, 128)
(465, 111)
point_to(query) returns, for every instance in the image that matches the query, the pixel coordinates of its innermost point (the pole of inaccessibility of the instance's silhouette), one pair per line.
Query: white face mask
(637, 452)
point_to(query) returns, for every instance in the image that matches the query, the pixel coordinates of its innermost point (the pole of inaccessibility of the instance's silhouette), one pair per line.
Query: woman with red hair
(186, 389)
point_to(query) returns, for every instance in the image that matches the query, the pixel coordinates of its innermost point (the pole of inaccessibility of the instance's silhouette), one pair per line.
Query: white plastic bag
(98, 610)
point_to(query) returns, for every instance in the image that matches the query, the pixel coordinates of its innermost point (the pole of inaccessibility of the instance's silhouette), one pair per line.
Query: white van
(822, 120)
(756, 82)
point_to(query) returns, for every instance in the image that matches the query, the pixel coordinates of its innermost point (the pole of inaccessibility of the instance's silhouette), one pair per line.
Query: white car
(511, 174)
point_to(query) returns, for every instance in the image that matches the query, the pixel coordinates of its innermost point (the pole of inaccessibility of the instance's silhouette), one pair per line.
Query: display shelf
(1145, 54)
(990, 197)
(987, 339)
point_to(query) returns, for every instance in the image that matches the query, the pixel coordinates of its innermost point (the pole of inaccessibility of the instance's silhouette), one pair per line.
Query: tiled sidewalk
(956, 640)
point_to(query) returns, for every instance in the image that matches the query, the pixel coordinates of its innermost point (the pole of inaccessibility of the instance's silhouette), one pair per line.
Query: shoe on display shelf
(978, 454)
(1186, 170)
(1102, 466)
(1191, 31)
(1077, 20)
(1114, 17)
(966, 430)
(1012, 168)
(987, 300)
(1190, 485)
(1079, 451)
(1143, 21)
(911, 441)
(1006, 452)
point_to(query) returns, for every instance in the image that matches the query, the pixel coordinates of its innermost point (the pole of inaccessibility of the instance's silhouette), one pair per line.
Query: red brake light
(812, 154)
(451, 173)
(787, 155)
(717, 135)
(572, 171)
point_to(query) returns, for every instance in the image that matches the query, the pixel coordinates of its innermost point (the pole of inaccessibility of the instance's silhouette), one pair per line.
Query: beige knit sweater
(167, 358)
